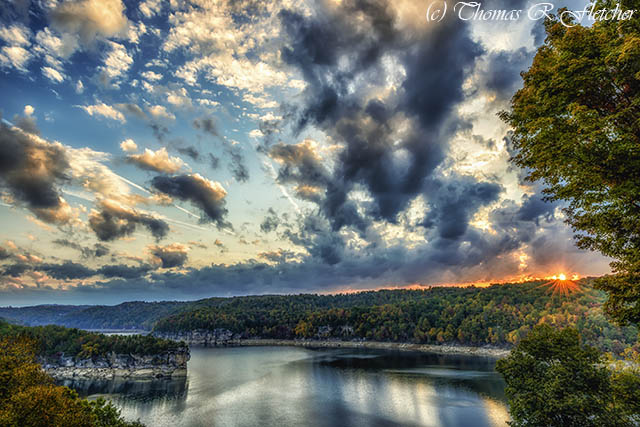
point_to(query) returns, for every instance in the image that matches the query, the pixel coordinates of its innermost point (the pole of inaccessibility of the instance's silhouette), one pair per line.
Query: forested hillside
(498, 315)
(128, 315)
(52, 341)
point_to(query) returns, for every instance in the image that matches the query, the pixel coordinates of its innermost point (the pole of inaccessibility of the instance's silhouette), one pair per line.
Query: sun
(560, 285)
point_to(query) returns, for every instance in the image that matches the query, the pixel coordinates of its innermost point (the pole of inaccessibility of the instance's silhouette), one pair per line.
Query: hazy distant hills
(128, 315)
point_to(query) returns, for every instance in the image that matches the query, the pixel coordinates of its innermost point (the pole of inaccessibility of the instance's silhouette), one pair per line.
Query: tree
(554, 380)
(28, 396)
(576, 127)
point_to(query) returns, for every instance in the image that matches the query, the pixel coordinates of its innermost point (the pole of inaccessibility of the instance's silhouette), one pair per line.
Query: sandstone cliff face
(168, 364)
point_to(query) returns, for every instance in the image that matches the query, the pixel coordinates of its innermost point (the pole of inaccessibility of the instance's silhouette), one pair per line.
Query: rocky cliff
(200, 336)
(171, 363)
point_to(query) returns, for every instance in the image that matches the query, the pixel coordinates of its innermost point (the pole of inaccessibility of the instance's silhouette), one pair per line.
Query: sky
(181, 150)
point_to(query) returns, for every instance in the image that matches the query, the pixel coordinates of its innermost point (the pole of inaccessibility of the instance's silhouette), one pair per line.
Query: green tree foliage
(499, 315)
(554, 380)
(53, 341)
(28, 397)
(576, 127)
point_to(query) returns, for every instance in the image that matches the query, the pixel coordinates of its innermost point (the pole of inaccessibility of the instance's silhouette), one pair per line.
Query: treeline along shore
(69, 352)
(463, 320)
(498, 317)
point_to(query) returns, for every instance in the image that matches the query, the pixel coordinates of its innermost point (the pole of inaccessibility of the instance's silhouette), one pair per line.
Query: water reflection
(271, 386)
(139, 389)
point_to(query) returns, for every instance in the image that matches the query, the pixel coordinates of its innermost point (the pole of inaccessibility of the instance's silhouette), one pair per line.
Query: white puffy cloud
(52, 74)
(157, 161)
(149, 8)
(104, 110)
(151, 76)
(136, 31)
(14, 57)
(128, 145)
(49, 43)
(15, 35)
(160, 112)
(28, 110)
(117, 62)
(224, 52)
(90, 18)
(179, 98)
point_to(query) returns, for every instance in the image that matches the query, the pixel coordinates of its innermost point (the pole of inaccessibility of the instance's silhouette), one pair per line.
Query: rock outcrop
(167, 364)
(224, 338)
(216, 337)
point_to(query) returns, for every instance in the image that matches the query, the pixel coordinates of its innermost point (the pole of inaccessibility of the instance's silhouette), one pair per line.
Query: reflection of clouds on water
(440, 372)
(282, 387)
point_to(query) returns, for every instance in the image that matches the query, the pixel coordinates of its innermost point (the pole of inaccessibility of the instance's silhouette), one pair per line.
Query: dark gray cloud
(454, 202)
(159, 131)
(502, 74)
(15, 270)
(66, 271)
(214, 161)
(190, 151)
(124, 271)
(31, 170)
(113, 222)
(393, 170)
(132, 110)
(207, 125)
(237, 165)
(174, 255)
(27, 124)
(202, 193)
(270, 222)
(98, 250)
(69, 270)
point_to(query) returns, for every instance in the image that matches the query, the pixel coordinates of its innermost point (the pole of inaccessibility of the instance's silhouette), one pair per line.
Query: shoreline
(493, 352)
(72, 373)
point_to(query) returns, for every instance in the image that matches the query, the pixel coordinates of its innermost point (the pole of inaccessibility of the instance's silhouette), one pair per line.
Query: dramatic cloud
(32, 169)
(391, 145)
(454, 202)
(207, 195)
(113, 221)
(370, 136)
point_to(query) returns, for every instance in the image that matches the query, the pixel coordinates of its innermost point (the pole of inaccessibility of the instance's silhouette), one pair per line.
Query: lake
(291, 386)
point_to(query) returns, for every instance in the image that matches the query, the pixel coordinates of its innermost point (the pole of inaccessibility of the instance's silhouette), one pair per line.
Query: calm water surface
(289, 386)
